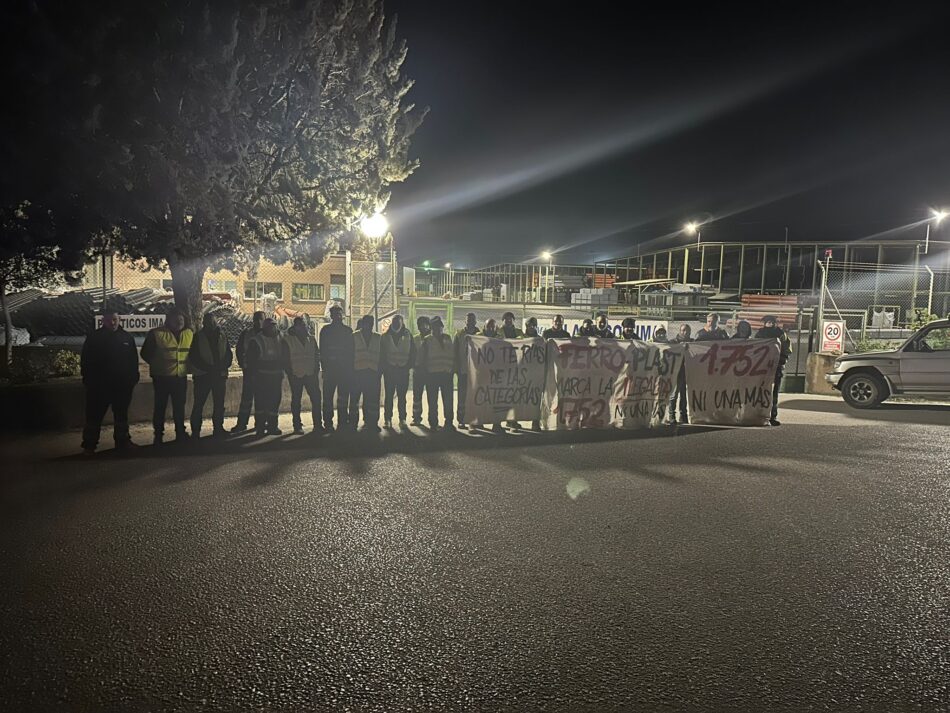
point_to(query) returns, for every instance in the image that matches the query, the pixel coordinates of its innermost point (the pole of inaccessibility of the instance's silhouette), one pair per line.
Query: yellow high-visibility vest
(439, 354)
(366, 356)
(419, 339)
(303, 355)
(397, 354)
(171, 354)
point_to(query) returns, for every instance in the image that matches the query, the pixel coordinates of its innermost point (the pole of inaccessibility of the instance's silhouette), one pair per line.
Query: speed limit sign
(832, 336)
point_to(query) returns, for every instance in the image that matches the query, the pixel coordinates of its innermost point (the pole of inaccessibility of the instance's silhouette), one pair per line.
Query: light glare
(374, 226)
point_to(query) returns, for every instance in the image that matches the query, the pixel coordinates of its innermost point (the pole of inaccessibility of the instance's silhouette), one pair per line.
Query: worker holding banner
(629, 329)
(461, 361)
(508, 329)
(438, 360)
(678, 394)
(771, 330)
(556, 330)
(712, 331)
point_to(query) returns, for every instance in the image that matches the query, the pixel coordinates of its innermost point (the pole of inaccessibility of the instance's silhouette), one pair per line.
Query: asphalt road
(805, 567)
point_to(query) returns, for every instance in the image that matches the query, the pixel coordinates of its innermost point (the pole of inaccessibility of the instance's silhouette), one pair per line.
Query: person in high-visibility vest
(264, 361)
(301, 357)
(508, 329)
(438, 358)
(209, 360)
(397, 355)
(461, 364)
(420, 379)
(366, 352)
(166, 352)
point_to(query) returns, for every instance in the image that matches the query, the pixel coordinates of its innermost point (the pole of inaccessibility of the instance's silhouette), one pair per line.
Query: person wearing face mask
(264, 359)
(629, 329)
(336, 360)
(397, 354)
(438, 357)
(166, 352)
(490, 329)
(420, 378)
(209, 359)
(247, 381)
(603, 330)
(461, 364)
(110, 370)
(508, 329)
(301, 357)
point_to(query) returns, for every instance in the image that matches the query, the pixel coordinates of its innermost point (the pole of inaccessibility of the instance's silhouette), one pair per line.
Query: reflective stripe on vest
(397, 354)
(170, 353)
(303, 355)
(269, 347)
(440, 354)
(366, 356)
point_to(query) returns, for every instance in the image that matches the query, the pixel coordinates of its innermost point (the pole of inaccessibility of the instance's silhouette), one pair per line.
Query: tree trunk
(187, 285)
(7, 330)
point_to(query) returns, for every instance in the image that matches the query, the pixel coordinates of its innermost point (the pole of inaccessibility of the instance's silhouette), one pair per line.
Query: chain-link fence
(372, 290)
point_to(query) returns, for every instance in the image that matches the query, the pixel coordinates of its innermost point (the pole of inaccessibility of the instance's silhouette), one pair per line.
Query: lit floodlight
(380, 266)
(374, 226)
(448, 266)
(546, 255)
(939, 215)
(691, 228)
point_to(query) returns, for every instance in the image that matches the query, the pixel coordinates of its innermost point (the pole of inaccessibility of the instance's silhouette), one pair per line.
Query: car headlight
(837, 364)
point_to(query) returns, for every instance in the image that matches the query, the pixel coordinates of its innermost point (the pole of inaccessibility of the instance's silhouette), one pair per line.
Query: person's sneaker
(416, 422)
(514, 425)
(774, 422)
(328, 428)
(126, 445)
(497, 428)
(298, 430)
(274, 432)
(89, 451)
(402, 423)
(536, 426)
(388, 423)
(450, 427)
(240, 428)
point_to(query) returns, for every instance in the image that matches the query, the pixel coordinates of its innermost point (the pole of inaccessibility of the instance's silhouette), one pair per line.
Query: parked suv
(919, 366)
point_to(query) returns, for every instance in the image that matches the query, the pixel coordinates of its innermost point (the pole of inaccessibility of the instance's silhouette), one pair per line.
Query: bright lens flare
(691, 228)
(939, 215)
(546, 255)
(374, 226)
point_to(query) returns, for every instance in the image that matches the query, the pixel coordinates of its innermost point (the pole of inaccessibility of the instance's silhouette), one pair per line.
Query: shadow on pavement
(922, 412)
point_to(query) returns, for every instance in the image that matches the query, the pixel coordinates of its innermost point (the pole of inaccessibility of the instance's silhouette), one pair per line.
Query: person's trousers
(247, 398)
(780, 372)
(679, 394)
(336, 382)
(463, 392)
(420, 381)
(214, 385)
(312, 385)
(176, 389)
(365, 387)
(440, 383)
(396, 384)
(98, 401)
(267, 393)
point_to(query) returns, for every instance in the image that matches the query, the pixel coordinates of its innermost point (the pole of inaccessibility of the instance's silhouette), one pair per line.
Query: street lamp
(693, 228)
(375, 227)
(936, 217)
(546, 256)
(448, 277)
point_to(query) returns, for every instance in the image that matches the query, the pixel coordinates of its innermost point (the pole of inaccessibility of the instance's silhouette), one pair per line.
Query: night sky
(595, 127)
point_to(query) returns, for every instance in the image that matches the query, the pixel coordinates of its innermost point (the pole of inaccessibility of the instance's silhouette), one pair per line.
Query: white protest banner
(136, 322)
(730, 382)
(606, 383)
(645, 327)
(505, 379)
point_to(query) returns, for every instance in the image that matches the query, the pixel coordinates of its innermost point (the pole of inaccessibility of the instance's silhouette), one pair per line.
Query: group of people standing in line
(353, 365)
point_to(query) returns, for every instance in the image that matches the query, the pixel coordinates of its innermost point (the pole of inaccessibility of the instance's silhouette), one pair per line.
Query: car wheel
(863, 390)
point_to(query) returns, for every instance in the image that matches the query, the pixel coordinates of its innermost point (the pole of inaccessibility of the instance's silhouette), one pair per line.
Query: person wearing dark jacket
(743, 330)
(508, 329)
(678, 393)
(420, 378)
(628, 329)
(264, 361)
(603, 330)
(336, 359)
(771, 330)
(712, 331)
(210, 359)
(247, 384)
(396, 358)
(301, 357)
(556, 330)
(110, 370)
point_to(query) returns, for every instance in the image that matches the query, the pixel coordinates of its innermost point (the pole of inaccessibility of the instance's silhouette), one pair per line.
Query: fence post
(930, 291)
(913, 296)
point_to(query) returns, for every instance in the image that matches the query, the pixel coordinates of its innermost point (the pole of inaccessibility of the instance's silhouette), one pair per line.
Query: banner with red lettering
(505, 379)
(607, 383)
(730, 382)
